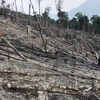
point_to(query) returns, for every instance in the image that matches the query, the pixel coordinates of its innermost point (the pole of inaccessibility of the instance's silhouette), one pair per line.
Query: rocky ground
(67, 71)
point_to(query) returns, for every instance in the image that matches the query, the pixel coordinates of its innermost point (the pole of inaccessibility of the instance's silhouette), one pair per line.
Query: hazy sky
(67, 5)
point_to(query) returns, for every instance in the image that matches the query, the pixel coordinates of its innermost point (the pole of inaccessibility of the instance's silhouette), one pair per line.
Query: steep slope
(90, 7)
(65, 72)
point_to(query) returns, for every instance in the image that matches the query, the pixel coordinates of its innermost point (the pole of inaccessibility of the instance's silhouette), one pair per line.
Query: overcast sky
(67, 5)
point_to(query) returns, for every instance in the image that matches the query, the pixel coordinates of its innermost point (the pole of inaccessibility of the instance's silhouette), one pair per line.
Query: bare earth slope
(66, 71)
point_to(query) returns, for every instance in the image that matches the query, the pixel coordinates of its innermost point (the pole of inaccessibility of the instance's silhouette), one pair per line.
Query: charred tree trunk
(39, 26)
(16, 11)
(29, 14)
(22, 6)
(99, 62)
(10, 45)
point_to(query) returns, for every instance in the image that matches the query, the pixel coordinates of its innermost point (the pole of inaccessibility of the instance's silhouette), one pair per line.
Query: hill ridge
(90, 8)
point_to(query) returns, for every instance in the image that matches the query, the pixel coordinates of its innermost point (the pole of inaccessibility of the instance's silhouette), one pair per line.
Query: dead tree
(45, 15)
(39, 2)
(16, 11)
(12, 6)
(22, 6)
(60, 16)
(40, 28)
(93, 85)
(99, 62)
(59, 4)
(10, 45)
(39, 42)
(29, 14)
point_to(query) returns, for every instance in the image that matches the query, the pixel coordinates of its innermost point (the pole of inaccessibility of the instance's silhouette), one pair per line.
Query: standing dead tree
(45, 15)
(59, 4)
(16, 10)
(22, 6)
(40, 28)
(39, 2)
(29, 14)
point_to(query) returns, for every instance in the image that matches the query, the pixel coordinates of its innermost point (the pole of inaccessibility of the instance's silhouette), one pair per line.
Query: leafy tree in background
(90, 27)
(83, 21)
(51, 21)
(79, 16)
(73, 24)
(94, 19)
(96, 23)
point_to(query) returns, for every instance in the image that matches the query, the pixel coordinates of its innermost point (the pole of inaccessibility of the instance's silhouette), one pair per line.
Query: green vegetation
(79, 22)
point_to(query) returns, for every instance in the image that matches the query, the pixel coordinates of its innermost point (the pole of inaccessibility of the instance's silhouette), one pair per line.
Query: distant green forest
(79, 22)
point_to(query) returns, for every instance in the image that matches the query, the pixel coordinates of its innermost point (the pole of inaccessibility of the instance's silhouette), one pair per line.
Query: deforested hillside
(47, 63)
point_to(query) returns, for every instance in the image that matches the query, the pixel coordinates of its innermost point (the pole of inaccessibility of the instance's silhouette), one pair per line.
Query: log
(8, 56)
(99, 62)
(10, 45)
(96, 97)
(32, 90)
(1, 32)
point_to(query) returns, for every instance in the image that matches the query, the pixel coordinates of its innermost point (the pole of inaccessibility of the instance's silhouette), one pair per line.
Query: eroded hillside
(67, 70)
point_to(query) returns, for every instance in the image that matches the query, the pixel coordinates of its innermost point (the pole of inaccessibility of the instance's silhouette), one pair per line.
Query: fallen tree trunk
(14, 48)
(8, 56)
